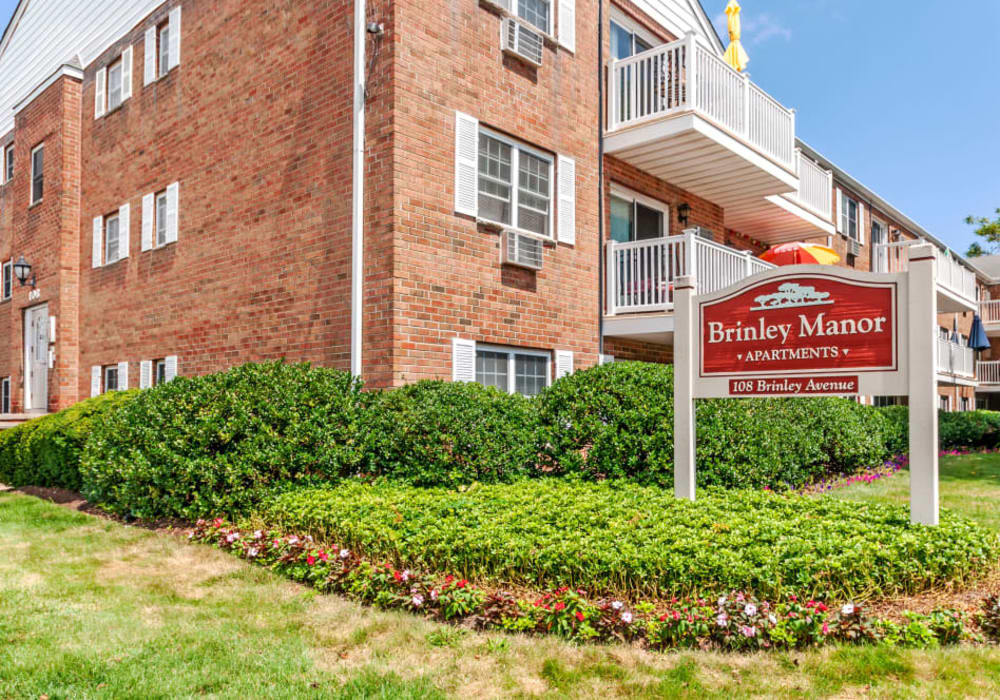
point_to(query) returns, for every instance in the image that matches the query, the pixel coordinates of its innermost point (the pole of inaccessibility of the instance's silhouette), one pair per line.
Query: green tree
(988, 230)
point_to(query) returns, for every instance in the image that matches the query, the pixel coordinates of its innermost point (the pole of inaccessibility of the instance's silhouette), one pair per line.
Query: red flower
(310, 560)
(677, 615)
(579, 616)
(793, 598)
(560, 605)
(323, 555)
(663, 618)
(821, 607)
(217, 522)
(396, 575)
(462, 584)
(449, 578)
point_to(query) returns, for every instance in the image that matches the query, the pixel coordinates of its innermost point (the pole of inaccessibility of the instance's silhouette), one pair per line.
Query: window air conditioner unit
(517, 40)
(853, 247)
(522, 250)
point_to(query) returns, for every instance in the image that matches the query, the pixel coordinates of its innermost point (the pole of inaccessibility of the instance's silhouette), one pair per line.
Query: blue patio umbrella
(977, 335)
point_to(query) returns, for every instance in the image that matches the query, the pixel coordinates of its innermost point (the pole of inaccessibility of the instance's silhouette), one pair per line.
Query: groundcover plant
(618, 538)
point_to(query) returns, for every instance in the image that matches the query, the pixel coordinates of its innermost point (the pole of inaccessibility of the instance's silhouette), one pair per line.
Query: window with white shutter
(97, 258)
(95, 380)
(567, 200)
(149, 57)
(147, 221)
(463, 360)
(174, 39)
(124, 230)
(112, 239)
(127, 73)
(100, 92)
(567, 24)
(172, 212)
(123, 376)
(512, 370)
(169, 368)
(606, 359)
(145, 374)
(466, 163)
(564, 363)
(861, 223)
(515, 184)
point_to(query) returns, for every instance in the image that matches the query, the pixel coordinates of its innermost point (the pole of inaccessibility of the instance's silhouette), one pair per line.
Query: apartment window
(524, 202)
(37, 173)
(850, 214)
(944, 403)
(965, 404)
(537, 13)
(625, 41)
(8, 280)
(5, 395)
(635, 218)
(159, 372)
(8, 163)
(112, 237)
(513, 371)
(164, 49)
(115, 85)
(160, 218)
(111, 378)
(882, 401)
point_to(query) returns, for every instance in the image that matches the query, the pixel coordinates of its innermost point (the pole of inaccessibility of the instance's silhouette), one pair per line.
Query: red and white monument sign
(811, 330)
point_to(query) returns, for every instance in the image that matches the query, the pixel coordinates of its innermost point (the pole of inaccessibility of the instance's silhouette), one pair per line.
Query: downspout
(358, 189)
(600, 179)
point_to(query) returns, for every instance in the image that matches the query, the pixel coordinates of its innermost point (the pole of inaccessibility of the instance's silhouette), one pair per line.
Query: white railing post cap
(920, 251)
(684, 282)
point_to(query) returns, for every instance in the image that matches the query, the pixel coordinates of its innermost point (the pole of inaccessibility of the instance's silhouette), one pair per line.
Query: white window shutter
(149, 57)
(463, 360)
(95, 380)
(175, 38)
(170, 371)
(606, 359)
(566, 179)
(564, 363)
(100, 92)
(148, 201)
(466, 164)
(567, 24)
(838, 200)
(124, 226)
(173, 211)
(98, 241)
(145, 374)
(127, 73)
(861, 223)
(123, 376)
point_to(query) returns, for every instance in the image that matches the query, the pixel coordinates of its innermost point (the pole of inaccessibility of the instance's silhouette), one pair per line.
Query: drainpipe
(600, 178)
(358, 189)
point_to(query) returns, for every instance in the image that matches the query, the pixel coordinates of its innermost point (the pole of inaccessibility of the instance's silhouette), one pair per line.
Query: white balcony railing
(989, 311)
(815, 187)
(687, 75)
(988, 371)
(954, 359)
(951, 274)
(641, 274)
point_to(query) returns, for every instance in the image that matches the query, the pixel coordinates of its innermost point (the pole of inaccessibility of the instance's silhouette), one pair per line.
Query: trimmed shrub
(436, 433)
(47, 451)
(621, 538)
(616, 421)
(216, 443)
(897, 428)
(969, 429)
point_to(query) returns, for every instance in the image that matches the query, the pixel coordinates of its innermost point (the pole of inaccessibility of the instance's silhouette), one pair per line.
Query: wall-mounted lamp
(683, 211)
(22, 268)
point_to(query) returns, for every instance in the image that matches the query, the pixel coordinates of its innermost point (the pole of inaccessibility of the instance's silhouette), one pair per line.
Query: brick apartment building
(181, 178)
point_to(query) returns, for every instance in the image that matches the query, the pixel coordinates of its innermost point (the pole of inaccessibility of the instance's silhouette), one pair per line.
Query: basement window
(523, 372)
(111, 378)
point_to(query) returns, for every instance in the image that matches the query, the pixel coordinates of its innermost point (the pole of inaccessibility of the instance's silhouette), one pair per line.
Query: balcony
(989, 312)
(988, 374)
(956, 284)
(779, 218)
(954, 361)
(680, 113)
(640, 281)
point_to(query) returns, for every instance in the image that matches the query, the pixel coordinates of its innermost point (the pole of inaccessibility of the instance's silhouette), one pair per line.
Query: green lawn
(970, 485)
(89, 608)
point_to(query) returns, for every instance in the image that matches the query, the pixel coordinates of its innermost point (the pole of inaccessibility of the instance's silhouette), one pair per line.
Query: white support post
(611, 278)
(689, 257)
(747, 265)
(691, 62)
(922, 316)
(684, 431)
(615, 95)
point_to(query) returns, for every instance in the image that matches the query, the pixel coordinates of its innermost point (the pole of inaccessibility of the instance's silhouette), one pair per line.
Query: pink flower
(462, 584)
(560, 605)
(344, 553)
(252, 552)
(310, 560)
(627, 617)
(617, 605)
(826, 628)
(748, 631)
(417, 600)
(217, 522)
(579, 616)
(323, 555)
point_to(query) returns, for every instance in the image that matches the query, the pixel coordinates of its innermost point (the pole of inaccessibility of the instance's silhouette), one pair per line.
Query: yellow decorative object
(735, 56)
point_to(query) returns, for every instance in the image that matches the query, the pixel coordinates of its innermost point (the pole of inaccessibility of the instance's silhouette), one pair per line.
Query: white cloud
(756, 28)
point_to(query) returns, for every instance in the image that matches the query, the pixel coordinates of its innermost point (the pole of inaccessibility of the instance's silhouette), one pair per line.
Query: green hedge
(618, 537)
(215, 443)
(436, 433)
(965, 429)
(616, 421)
(47, 451)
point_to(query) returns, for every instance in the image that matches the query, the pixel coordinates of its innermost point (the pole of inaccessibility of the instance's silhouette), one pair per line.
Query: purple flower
(722, 620)
(748, 631)
(750, 610)
(627, 617)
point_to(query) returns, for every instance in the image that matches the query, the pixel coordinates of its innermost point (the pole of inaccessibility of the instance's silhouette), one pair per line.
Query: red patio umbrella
(800, 253)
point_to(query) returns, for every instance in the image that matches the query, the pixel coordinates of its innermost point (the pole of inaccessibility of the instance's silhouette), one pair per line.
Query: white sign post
(813, 330)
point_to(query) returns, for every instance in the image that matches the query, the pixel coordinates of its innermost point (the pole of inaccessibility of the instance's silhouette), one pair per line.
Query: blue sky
(904, 95)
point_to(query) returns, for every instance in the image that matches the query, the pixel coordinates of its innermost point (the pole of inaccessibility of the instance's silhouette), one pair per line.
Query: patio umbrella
(799, 253)
(735, 56)
(977, 335)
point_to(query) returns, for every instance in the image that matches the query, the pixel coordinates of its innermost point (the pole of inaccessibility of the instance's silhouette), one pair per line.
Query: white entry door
(36, 358)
